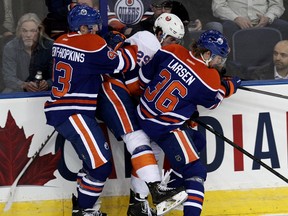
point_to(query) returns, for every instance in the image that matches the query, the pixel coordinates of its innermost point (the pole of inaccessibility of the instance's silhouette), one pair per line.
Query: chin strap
(206, 61)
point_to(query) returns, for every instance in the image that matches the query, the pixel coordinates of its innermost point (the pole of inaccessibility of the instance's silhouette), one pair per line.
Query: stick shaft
(241, 150)
(13, 186)
(263, 92)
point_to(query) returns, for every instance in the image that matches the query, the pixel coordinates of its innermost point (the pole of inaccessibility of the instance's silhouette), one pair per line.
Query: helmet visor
(217, 60)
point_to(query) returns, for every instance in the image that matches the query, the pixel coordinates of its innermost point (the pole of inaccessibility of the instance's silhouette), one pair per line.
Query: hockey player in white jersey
(116, 108)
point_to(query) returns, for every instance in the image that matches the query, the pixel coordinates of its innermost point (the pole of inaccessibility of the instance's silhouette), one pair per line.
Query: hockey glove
(191, 123)
(231, 84)
(114, 39)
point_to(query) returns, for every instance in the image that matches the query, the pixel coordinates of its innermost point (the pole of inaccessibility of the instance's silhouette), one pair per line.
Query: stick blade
(10, 199)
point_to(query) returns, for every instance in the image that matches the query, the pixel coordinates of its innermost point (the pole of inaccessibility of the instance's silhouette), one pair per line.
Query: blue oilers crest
(129, 12)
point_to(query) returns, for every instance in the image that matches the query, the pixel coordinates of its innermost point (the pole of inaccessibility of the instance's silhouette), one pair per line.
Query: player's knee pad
(100, 173)
(194, 170)
(135, 139)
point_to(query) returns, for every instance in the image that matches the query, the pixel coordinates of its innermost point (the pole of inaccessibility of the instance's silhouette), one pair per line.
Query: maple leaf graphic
(14, 147)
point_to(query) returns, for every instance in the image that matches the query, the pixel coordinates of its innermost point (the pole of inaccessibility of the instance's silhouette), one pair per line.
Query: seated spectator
(250, 14)
(29, 52)
(278, 68)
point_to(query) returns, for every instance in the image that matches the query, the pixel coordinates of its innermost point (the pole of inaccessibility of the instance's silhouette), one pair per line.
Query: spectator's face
(158, 10)
(166, 10)
(280, 56)
(29, 33)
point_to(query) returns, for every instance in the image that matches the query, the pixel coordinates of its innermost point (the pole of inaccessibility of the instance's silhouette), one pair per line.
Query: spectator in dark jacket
(278, 69)
(30, 51)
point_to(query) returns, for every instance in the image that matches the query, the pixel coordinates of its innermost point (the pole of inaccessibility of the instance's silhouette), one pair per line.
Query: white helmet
(170, 25)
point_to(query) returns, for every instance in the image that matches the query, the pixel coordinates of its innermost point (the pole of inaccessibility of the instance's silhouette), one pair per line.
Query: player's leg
(89, 142)
(183, 156)
(176, 179)
(146, 168)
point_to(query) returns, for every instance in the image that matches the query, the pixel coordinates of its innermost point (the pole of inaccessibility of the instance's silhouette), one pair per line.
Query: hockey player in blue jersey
(80, 57)
(176, 81)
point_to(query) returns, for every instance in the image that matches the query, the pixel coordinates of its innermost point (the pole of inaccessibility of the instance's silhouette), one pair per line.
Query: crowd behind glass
(22, 24)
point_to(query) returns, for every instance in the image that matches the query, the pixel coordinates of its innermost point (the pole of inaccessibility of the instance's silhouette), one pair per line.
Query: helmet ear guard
(83, 15)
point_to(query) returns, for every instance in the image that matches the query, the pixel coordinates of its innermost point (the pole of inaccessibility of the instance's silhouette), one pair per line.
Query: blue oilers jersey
(79, 61)
(175, 83)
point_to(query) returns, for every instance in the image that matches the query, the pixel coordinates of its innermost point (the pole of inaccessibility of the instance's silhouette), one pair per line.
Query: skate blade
(167, 205)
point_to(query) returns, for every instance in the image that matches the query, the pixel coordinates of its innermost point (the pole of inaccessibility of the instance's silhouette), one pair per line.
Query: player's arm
(148, 71)
(109, 61)
(230, 85)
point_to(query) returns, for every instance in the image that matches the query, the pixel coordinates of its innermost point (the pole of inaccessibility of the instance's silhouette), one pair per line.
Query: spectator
(27, 53)
(250, 14)
(278, 68)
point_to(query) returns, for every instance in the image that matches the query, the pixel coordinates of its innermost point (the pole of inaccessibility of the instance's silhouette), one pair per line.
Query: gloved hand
(114, 39)
(236, 82)
(191, 123)
(195, 115)
(231, 84)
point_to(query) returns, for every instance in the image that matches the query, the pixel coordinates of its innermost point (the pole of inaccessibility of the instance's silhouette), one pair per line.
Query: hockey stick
(240, 149)
(13, 186)
(263, 92)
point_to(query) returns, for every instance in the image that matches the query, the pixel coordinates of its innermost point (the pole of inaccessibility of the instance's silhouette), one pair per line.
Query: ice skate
(139, 206)
(166, 198)
(84, 212)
